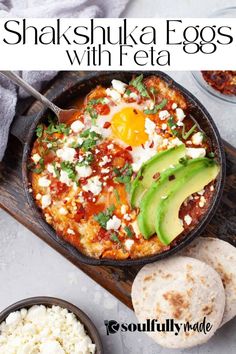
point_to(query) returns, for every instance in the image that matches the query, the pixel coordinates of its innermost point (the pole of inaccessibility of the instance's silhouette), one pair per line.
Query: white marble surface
(28, 267)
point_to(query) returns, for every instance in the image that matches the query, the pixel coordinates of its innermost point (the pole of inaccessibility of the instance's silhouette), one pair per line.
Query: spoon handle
(23, 84)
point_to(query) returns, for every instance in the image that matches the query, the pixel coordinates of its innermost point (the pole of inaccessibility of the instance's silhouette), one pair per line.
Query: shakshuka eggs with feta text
(89, 176)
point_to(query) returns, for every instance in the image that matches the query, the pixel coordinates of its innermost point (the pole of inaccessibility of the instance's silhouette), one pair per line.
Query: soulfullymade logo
(152, 325)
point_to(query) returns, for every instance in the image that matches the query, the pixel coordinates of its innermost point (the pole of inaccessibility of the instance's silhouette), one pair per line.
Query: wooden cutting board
(117, 280)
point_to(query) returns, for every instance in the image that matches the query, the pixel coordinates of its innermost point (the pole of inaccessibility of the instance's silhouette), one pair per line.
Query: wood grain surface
(116, 280)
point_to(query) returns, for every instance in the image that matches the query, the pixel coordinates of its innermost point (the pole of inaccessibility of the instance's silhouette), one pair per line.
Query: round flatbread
(221, 256)
(182, 289)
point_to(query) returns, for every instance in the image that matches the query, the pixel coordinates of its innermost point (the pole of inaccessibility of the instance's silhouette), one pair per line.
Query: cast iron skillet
(80, 87)
(49, 302)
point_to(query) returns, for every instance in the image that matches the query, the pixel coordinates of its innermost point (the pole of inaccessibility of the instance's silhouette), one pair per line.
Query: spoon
(63, 115)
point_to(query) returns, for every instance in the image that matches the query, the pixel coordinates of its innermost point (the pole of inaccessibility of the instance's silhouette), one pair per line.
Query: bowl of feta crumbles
(44, 325)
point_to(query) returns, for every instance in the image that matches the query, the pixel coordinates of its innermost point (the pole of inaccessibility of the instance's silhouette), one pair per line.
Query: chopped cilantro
(91, 109)
(183, 161)
(124, 176)
(129, 231)
(56, 170)
(172, 125)
(211, 155)
(70, 169)
(103, 217)
(138, 84)
(186, 135)
(128, 92)
(58, 128)
(117, 195)
(156, 108)
(39, 130)
(114, 237)
(32, 167)
(91, 139)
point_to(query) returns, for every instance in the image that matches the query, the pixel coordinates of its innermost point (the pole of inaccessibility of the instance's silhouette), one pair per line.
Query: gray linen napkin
(42, 8)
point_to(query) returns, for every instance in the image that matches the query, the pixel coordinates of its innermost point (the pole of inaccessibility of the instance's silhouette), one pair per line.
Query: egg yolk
(128, 125)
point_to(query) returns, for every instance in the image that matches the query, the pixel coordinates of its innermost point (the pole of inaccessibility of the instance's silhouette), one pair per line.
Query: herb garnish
(124, 175)
(156, 108)
(128, 231)
(172, 125)
(138, 84)
(211, 155)
(114, 237)
(186, 135)
(103, 217)
(70, 169)
(61, 128)
(56, 170)
(91, 139)
(91, 109)
(32, 167)
(39, 130)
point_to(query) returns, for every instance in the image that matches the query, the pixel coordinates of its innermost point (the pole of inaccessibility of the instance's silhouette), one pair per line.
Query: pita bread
(221, 256)
(183, 289)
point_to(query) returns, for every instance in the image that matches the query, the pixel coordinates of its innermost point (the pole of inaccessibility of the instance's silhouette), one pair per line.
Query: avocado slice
(160, 190)
(167, 223)
(156, 164)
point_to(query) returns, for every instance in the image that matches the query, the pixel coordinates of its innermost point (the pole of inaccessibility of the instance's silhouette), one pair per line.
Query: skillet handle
(20, 127)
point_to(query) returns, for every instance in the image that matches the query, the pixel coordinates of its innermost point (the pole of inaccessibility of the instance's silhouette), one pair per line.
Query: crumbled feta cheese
(93, 185)
(70, 232)
(174, 106)
(212, 188)
(180, 114)
(202, 202)
(164, 115)
(63, 211)
(129, 244)
(164, 126)
(201, 192)
(127, 217)
(110, 146)
(188, 219)
(52, 330)
(114, 223)
(150, 127)
(105, 160)
(51, 169)
(119, 86)
(197, 138)
(83, 171)
(123, 209)
(49, 145)
(77, 126)
(105, 170)
(115, 95)
(179, 123)
(44, 182)
(64, 178)
(66, 153)
(175, 142)
(133, 95)
(46, 200)
(38, 196)
(136, 228)
(36, 158)
(195, 152)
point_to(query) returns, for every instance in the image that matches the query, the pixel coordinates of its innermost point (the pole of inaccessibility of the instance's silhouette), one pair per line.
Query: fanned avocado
(151, 168)
(160, 190)
(167, 223)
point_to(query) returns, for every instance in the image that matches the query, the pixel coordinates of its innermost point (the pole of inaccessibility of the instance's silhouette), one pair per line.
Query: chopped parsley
(91, 109)
(90, 141)
(70, 169)
(183, 161)
(103, 217)
(186, 135)
(32, 167)
(61, 128)
(128, 231)
(124, 175)
(172, 125)
(114, 237)
(39, 130)
(138, 84)
(156, 107)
